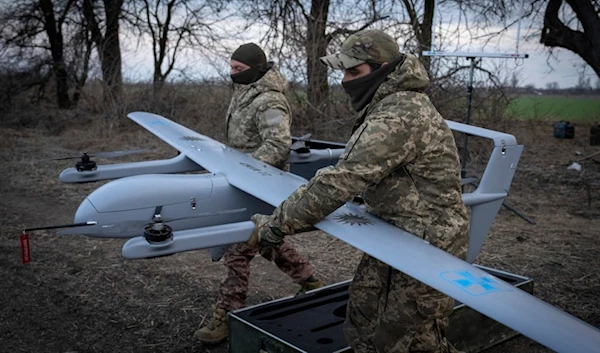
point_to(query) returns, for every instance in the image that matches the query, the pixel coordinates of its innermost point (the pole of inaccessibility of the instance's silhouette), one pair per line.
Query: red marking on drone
(25, 253)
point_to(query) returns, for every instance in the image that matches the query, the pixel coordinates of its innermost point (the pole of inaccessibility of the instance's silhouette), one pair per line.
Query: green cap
(369, 45)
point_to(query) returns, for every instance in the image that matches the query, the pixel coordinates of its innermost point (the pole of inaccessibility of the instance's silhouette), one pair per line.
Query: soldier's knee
(359, 341)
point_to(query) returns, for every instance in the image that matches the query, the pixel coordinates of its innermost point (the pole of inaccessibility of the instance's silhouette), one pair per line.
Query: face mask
(362, 89)
(247, 77)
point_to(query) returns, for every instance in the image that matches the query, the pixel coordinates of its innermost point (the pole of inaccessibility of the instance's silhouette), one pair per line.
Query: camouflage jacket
(259, 119)
(402, 159)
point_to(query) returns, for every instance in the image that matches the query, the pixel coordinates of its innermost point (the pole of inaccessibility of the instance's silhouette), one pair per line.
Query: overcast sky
(539, 69)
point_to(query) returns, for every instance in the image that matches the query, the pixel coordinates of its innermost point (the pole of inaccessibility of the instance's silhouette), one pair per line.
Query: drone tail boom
(188, 240)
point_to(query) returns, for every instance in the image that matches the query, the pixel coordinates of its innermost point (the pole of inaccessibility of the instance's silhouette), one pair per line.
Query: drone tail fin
(489, 195)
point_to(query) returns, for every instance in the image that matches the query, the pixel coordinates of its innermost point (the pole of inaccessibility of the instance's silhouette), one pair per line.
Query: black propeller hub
(158, 232)
(86, 164)
(299, 146)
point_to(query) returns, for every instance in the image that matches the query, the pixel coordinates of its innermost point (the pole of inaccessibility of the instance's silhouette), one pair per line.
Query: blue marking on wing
(475, 285)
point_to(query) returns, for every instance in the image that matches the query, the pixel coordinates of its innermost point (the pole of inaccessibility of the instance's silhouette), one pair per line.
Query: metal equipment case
(313, 323)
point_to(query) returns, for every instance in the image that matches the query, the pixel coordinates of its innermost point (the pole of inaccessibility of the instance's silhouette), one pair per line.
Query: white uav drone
(212, 210)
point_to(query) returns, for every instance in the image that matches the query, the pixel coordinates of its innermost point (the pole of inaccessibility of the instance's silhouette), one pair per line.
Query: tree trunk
(56, 47)
(81, 79)
(426, 33)
(316, 47)
(108, 47)
(586, 44)
(422, 29)
(111, 52)
(157, 85)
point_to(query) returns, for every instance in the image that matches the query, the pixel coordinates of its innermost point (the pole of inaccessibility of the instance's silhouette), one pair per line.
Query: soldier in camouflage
(403, 160)
(258, 122)
(259, 115)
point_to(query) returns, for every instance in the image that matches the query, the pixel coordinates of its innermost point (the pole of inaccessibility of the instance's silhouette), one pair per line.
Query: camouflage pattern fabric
(371, 45)
(259, 119)
(234, 287)
(393, 313)
(403, 161)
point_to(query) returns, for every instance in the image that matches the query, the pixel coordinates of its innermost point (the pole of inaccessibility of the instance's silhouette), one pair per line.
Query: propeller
(133, 228)
(111, 154)
(300, 144)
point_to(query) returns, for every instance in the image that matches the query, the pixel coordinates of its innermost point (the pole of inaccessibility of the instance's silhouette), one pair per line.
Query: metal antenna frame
(473, 58)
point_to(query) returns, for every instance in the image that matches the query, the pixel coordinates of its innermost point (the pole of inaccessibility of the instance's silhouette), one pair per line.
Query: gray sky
(564, 67)
(539, 69)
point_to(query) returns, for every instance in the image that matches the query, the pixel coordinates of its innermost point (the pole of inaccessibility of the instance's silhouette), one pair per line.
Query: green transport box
(313, 322)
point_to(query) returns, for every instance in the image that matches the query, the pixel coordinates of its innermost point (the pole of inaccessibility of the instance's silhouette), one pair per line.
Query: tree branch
(585, 44)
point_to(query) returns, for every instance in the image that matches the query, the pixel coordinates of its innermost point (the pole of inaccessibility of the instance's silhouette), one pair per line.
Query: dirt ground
(79, 295)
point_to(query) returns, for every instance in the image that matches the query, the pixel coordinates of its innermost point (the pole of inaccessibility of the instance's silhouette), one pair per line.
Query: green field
(567, 108)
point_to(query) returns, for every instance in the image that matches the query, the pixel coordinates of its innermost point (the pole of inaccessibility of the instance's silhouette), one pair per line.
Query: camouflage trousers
(234, 287)
(390, 312)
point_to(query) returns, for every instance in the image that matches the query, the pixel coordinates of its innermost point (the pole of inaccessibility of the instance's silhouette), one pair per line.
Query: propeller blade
(116, 153)
(301, 142)
(56, 158)
(110, 154)
(305, 137)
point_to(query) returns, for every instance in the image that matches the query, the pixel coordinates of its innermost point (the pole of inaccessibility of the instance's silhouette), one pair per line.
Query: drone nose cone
(86, 212)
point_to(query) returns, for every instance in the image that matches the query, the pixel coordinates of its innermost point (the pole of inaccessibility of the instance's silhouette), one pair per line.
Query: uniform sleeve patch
(273, 116)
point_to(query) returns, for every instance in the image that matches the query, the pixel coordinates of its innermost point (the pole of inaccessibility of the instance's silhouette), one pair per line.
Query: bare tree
(43, 26)
(79, 55)
(107, 16)
(569, 24)
(53, 28)
(576, 29)
(422, 26)
(173, 26)
(316, 43)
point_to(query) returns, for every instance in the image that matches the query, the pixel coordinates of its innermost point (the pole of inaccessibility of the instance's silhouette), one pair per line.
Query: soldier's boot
(216, 330)
(310, 284)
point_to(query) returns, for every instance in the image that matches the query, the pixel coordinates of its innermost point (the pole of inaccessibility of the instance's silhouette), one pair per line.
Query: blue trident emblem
(475, 285)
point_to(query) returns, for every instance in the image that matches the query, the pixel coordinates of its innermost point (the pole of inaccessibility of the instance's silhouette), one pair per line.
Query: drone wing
(460, 280)
(219, 158)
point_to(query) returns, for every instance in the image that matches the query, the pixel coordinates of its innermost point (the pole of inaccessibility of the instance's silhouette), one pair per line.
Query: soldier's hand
(264, 233)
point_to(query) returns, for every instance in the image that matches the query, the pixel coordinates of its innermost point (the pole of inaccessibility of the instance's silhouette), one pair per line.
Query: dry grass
(79, 295)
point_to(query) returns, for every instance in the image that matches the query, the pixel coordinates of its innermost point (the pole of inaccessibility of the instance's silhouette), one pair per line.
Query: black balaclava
(253, 56)
(362, 89)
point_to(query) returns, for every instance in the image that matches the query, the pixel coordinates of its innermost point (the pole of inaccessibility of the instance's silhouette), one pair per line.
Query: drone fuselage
(200, 200)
